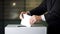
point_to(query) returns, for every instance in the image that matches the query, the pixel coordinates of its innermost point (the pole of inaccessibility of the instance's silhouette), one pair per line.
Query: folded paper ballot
(26, 20)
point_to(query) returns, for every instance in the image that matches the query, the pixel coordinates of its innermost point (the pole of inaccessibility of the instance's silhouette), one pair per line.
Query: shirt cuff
(43, 18)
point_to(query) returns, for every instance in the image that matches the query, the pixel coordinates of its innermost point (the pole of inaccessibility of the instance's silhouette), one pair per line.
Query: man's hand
(21, 14)
(34, 19)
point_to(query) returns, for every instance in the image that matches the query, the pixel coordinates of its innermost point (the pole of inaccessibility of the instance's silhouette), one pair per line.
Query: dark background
(1, 17)
(11, 13)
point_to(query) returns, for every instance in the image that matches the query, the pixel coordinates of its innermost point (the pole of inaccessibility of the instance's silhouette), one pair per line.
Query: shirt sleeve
(43, 18)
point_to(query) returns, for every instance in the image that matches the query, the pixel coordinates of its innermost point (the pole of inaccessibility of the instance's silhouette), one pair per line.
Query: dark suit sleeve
(53, 16)
(42, 8)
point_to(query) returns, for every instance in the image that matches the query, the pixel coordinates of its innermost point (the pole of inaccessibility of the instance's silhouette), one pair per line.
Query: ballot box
(20, 29)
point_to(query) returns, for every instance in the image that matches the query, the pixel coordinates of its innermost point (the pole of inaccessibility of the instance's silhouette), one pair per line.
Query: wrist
(38, 18)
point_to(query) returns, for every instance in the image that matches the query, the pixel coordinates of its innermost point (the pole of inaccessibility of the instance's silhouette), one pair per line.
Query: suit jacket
(53, 15)
(50, 6)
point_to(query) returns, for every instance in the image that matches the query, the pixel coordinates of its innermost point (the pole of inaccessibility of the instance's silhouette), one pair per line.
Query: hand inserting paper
(26, 20)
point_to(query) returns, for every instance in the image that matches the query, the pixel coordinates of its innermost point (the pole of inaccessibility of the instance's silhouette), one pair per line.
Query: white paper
(26, 20)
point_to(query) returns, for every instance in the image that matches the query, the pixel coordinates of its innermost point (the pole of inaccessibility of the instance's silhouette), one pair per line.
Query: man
(52, 17)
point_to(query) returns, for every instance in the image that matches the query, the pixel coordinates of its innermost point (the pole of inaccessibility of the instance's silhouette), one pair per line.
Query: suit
(53, 15)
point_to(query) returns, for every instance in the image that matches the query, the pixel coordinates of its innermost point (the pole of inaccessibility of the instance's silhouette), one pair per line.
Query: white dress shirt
(43, 18)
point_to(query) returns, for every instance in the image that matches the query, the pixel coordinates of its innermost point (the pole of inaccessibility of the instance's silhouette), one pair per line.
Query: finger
(21, 15)
(32, 21)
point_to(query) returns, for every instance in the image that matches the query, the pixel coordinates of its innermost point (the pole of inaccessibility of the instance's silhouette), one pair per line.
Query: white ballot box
(20, 29)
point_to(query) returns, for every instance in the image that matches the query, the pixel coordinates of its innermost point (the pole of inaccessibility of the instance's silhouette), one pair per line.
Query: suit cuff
(43, 18)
